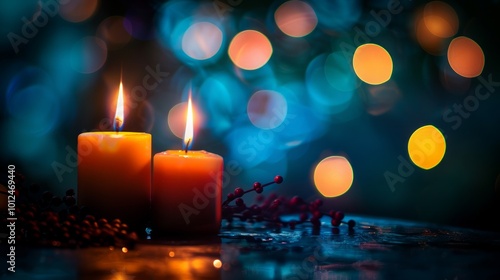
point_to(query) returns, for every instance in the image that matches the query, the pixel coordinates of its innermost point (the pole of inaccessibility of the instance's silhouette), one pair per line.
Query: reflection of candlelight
(114, 171)
(187, 186)
(152, 262)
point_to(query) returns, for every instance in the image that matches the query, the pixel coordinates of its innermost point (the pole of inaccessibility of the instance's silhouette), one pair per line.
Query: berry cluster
(48, 220)
(273, 207)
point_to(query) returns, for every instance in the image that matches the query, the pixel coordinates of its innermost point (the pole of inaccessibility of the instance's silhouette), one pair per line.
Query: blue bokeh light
(250, 146)
(327, 99)
(222, 98)
(35, 109)
(187, 36)
(337, 14)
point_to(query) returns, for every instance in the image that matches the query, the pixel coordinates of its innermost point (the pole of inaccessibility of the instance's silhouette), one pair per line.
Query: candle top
(114, 134)
(182, 153)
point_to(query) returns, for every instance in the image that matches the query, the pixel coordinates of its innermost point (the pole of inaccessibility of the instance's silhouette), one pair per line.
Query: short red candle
(187, 188)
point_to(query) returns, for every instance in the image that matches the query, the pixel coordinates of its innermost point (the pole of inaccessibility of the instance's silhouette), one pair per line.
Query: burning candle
(187, 187)
(114, 171)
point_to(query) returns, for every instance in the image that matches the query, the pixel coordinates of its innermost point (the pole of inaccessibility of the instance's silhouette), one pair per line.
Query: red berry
(339, 215)
(295, 201)
(259, 190)
(303, 217)
(335, 222)
(317, 214)
(318, 202)
(240, 202)
(257, 185)
(278, 179)
(230, 196)
(238, 192)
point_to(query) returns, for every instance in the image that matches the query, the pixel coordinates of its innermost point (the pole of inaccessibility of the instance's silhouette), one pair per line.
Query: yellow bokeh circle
(333, 176)
(372, 64)
(426, 147)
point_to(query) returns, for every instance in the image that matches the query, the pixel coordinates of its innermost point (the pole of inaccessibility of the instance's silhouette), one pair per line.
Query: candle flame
(118, 123)
(188, 134)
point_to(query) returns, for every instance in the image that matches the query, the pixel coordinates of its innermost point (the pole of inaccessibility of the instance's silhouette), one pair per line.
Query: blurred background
(383, 108)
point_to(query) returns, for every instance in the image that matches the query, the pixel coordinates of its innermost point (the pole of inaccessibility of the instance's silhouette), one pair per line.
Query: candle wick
(187, 145)
(118, 124)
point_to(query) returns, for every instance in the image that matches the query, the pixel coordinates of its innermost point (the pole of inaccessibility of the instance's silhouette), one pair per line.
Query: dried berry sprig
(51, 221)
(257, 187)
(271, 209)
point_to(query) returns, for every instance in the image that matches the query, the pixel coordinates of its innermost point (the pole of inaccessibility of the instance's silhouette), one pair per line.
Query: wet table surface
(378, 248)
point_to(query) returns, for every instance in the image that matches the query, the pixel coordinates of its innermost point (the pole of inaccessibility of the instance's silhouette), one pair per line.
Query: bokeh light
(333, 176)
(251, 146)
(35, 109)
(337, 15)
(217, 263)
(88, 55)
(466, 57)
(112, 31)
(295, 18)
(202, 40)
(250, 50)
(440, 19)
(431, 43)
(78, 10)
(426, 147)
(177, 117)
(329, 98)
(372, 64)
(339, 72)
(221, 98)
(302, 123)
(267, 109)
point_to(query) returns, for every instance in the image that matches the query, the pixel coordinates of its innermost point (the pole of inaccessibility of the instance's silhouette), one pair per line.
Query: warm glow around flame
(118, 123)
(188, 134)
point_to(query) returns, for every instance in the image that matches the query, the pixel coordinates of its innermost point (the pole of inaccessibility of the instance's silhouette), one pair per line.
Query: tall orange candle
(114, 172)
(187, 187)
